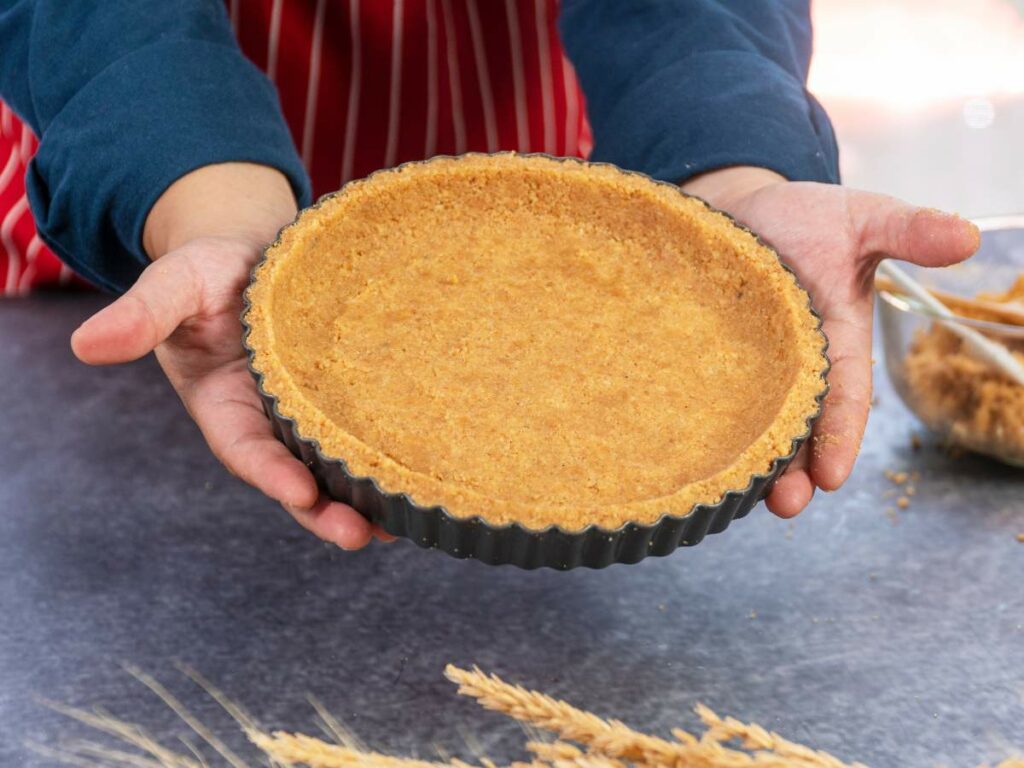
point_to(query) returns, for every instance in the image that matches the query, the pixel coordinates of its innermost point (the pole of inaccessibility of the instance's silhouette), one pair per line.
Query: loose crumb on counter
(905, 482)
(898, 478)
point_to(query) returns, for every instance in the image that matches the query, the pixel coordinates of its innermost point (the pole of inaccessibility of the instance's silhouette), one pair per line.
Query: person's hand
(205, 233)
(833, 238)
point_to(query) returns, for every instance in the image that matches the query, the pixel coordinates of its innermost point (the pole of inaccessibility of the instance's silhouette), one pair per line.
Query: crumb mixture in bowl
(958, 396)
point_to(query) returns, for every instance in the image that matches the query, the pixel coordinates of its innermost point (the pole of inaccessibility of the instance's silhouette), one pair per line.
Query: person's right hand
(205, 234)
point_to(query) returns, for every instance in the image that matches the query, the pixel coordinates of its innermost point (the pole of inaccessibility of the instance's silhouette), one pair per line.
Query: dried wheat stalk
(599, 742)
(764, 742)
(559, 754)
(608, 737)
(297, 749)
(615, 740)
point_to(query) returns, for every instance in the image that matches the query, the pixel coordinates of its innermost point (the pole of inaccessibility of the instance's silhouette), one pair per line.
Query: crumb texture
(533, 340)
(956, 395)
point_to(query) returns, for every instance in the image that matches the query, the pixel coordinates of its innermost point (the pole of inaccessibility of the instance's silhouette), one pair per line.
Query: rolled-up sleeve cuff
(718, 109)
(141, 124)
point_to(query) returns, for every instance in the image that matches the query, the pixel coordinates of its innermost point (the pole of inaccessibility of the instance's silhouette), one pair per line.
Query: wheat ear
(610, 738)
(768, 744)
(560, 754)
(297, 749)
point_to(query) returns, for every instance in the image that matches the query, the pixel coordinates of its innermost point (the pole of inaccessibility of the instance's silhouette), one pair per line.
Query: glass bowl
(957, 398)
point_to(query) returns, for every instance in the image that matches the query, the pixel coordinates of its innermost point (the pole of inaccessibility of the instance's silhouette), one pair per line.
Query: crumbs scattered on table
(905, 482)
(1020, 538)
(898, 478)
(915, 442)
(753, 615)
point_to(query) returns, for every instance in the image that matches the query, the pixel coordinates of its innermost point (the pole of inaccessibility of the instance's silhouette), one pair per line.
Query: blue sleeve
(127, 96)
(675, 88)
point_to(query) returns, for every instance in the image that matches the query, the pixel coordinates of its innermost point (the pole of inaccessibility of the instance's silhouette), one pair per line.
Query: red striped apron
(367, 84)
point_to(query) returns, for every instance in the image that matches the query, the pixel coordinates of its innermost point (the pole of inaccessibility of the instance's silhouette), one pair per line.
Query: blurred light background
(927, 98)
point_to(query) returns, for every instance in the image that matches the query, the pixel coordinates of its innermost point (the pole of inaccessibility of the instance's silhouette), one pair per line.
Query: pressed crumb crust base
(536, 341)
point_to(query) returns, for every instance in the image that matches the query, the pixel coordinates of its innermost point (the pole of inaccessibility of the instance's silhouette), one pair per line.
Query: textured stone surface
(122, 540)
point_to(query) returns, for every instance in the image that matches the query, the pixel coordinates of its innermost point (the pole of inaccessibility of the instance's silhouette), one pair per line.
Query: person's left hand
(833, 238)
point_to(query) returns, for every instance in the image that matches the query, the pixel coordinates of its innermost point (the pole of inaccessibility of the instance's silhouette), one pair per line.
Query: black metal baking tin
(552, 547)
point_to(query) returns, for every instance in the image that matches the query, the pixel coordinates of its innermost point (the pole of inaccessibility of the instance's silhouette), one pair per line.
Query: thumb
(166, 294)
(887, 227)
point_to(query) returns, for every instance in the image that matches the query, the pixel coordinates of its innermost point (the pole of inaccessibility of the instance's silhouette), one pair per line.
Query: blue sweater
(129, 95)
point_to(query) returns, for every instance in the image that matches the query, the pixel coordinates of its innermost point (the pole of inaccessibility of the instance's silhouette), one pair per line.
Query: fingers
(230, 415)
(335, 522)
(167, 293)
(889, 227)
(827, 460)
(227, 409)
(838, 432)
(794, 490)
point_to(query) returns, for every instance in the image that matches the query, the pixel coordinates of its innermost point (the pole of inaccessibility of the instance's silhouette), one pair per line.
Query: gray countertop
(896, 642)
